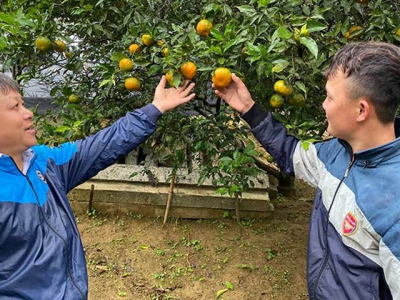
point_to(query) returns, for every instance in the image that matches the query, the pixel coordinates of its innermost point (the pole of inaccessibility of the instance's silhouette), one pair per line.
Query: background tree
(262, 41)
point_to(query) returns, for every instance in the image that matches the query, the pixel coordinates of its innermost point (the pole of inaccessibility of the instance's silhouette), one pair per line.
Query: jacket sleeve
(95, 153)
(389, 253)
(287, 150)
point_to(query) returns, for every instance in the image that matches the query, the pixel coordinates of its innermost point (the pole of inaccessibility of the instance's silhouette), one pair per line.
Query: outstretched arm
(167, 99)
(236, 95)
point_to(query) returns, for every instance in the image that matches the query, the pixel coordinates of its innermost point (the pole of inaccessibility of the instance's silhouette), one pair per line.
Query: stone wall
(114, 190)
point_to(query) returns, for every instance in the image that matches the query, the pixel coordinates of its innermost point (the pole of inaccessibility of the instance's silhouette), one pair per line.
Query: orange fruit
(147, 39)
(296, 100)
(126, 65)
(132, 84)
(282, 88)
(276, 101)
(165, 51)
(270, 158)
(172, 76)
(203, 27)
(244, 53)
(160, 43)
(351, 30)
(121, 87)
(59, 46)
(43, 43)
(222, 77)
(74, 98)
(189, 70)
(133, 48)
(398, 32)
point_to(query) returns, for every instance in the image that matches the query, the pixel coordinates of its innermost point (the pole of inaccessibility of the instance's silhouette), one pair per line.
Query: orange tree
(261, 41)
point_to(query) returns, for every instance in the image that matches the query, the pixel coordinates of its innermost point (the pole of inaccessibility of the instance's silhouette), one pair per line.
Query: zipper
(51, 228)
(326, 252)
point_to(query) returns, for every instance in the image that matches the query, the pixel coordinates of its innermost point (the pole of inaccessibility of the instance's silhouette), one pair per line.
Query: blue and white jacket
(354, 235)
(41, 255)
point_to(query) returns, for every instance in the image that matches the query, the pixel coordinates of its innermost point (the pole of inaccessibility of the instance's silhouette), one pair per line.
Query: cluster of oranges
(285, 90)
(126, 64)
(221, 77)
(44, 44)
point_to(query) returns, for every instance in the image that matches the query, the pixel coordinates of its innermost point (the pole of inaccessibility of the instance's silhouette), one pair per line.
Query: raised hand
(236, 95)
(167, 99)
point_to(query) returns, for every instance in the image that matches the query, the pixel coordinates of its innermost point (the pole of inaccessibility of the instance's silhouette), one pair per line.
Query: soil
(136, 257)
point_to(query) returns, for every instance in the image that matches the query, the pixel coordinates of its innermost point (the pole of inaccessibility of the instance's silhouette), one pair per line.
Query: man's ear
(364, 110)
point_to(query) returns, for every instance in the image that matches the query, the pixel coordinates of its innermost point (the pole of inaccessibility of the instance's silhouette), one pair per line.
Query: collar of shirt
(26, 159)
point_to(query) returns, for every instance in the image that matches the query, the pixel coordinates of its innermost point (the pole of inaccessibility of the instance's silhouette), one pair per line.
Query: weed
(159, 252)
(270, 253)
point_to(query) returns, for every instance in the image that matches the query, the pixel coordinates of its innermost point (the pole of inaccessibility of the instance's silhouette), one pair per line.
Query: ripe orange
(189, 70)
(160, 43)
(132, 84)
(147, 39)
(398, 32)
(296, 100)
(222, 77)
(74, 98)
(134, 48)
(276, 101)
(203, 28)
(282, 88)
(171, 75)
(351, 30)
(59, 46)
(126, 65)
(43, 43)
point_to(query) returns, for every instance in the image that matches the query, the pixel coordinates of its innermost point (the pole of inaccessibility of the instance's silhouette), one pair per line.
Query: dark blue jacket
(41, 254)
(354, 237)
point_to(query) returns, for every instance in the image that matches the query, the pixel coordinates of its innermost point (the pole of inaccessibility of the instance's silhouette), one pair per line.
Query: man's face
(341, 111)
(16, 126)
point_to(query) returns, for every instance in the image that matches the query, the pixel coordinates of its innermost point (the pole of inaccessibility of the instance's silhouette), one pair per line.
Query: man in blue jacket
(41, 254)
(354, 238)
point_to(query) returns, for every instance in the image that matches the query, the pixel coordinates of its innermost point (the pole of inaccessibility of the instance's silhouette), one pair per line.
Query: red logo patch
(350, 224)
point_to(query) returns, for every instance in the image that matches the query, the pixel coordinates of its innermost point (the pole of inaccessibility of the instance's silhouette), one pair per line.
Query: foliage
(261, 41)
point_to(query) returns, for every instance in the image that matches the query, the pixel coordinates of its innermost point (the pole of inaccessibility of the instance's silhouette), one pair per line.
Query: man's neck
(373, 136)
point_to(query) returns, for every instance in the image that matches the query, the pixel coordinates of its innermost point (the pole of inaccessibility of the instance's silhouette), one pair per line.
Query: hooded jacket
(41, 254)
(354, 235)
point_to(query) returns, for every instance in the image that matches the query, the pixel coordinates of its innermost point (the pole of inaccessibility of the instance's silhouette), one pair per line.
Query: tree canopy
(261, 41)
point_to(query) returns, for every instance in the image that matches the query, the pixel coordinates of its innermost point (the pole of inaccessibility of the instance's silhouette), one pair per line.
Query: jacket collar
(372, 157)
(8, 164)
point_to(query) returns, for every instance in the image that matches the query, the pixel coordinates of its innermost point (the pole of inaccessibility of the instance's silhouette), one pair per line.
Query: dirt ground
(136, 257)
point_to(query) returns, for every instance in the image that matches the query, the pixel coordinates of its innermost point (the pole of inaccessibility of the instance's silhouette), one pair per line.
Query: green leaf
(313, 25)
(63, 128)
(220, 292)
(104, 82)
(117, 56)
(229, 285)
(280, 65)
(282, 32)
(247, 10)
(7, 18)
(310, 44)
(230, 44)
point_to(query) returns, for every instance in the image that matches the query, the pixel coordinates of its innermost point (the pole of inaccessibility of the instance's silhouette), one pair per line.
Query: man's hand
(167, 99)
(236, 95)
